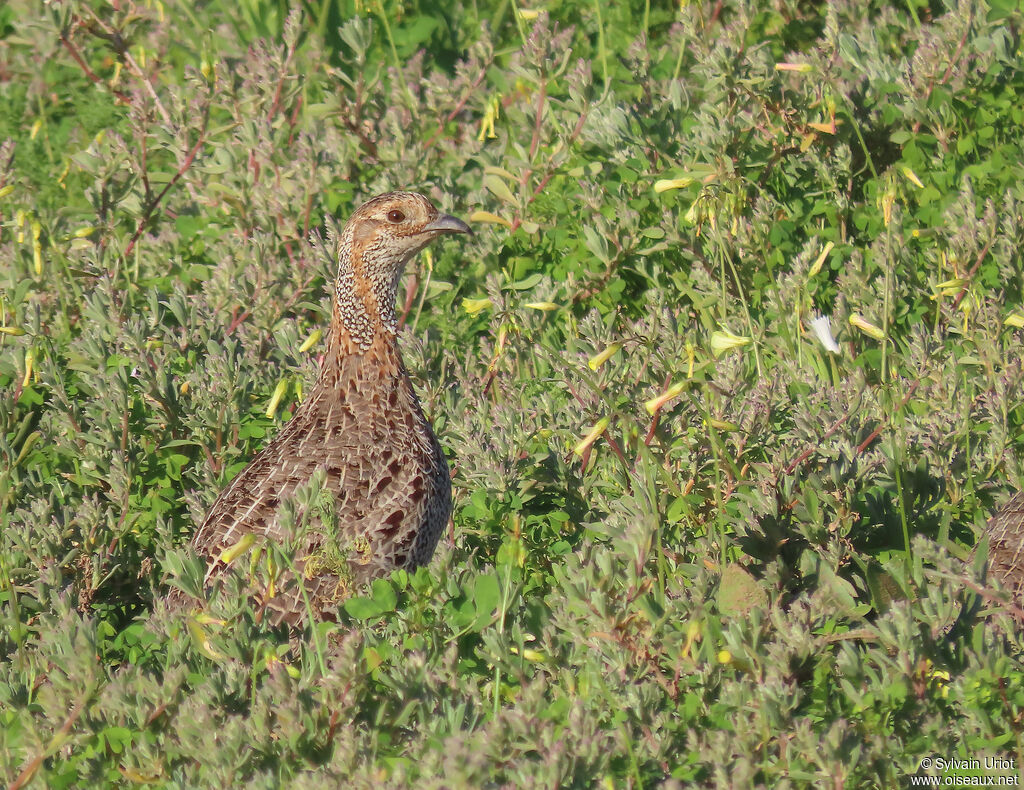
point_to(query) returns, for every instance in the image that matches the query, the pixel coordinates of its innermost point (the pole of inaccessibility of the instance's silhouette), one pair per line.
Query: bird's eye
(395, 216)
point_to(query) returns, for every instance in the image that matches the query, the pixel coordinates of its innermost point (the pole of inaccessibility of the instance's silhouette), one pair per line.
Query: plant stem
(601, 49)
(394, 56)
(886, 303)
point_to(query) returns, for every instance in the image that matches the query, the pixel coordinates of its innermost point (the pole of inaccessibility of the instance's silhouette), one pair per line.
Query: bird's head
(376, 243)
(391, 228)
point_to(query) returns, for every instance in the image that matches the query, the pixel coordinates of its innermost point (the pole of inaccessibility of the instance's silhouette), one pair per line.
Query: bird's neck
(363, 313)
(347, 367)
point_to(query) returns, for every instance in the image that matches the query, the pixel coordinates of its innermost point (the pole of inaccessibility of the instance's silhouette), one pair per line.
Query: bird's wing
(251, 502)
(1006, 543)
(384, 472)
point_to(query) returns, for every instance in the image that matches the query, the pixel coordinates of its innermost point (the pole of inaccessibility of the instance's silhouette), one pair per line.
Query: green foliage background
(690, 546)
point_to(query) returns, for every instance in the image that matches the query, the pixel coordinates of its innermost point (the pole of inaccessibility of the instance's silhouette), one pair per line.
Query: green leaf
(362, 608)
(486, 597)
(497, 187)
(384, 595)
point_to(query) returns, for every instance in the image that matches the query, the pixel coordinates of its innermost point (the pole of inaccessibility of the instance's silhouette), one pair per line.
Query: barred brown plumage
(1006, 545)
(361, 424)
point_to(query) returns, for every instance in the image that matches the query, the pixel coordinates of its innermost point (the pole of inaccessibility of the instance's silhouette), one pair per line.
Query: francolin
(1006, 546)
(361, 424)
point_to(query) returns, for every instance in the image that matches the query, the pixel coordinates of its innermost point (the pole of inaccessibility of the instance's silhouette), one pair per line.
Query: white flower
(822, 328)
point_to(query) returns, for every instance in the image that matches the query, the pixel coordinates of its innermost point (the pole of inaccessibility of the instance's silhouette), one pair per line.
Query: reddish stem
(73, 51)
(189, 158)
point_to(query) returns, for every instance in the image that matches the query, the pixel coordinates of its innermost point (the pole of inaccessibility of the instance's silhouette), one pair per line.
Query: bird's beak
(445, 223)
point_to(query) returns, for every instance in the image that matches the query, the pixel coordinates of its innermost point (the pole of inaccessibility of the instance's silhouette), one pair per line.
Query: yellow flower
(799, 68)
(724, 340)
(474, 306)
(492, 111)
(202, 640)
(275, 399)
(665, 184)
(592, 435)
(692, 635)
(310, 341)
(231, 553)
(654, 404)
(599, 359)
(487, 216)
(725, 657)
(940, 678)
(30, 361)
(37, 247)
(950, 287)
(816, 266)
(911, 176)
(866, 327)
